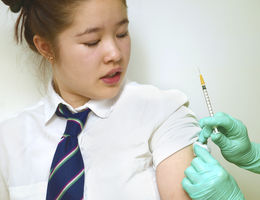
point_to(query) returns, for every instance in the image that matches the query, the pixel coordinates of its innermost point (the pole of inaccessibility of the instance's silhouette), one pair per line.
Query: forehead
(99, 12)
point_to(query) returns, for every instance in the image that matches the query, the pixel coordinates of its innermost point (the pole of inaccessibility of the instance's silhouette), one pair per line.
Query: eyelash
(123, 35)
(93, 44)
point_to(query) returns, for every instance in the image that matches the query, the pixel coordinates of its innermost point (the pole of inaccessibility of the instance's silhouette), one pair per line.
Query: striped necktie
(66, 179)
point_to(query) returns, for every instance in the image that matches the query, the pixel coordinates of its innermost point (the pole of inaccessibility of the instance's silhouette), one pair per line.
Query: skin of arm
(170, 172)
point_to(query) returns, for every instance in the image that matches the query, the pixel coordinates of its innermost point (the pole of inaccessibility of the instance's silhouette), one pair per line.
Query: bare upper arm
(170, 172)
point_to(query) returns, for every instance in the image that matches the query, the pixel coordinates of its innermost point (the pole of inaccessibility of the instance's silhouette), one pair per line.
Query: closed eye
(122, 35)
(92, 44)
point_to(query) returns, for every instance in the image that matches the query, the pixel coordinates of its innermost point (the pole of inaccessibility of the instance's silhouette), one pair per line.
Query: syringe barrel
(207, 99)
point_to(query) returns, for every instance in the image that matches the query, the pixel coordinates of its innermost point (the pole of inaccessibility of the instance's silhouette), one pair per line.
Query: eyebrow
(97, 29)
(122, 22)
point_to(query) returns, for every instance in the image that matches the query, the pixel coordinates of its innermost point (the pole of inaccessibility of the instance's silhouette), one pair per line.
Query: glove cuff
(253, 158)
(238, 196)
(236, 192)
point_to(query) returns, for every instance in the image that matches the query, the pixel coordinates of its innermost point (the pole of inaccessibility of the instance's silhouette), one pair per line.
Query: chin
(110, 92)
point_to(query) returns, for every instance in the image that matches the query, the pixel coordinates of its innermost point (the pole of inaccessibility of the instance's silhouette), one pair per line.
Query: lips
(112, 73)
(112, 77)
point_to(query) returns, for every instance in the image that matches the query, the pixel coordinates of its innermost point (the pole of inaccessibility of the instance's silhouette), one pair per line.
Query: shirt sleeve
(4, 193)
(3, 188)
(179, 130)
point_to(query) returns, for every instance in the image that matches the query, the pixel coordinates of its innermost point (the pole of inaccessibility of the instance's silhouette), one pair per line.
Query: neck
(72, 99)
(75, 102)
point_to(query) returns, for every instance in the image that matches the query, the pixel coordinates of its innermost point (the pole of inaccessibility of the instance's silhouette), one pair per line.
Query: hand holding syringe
(204, 169)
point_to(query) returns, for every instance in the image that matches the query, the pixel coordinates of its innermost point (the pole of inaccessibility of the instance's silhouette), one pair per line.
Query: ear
(43, 47)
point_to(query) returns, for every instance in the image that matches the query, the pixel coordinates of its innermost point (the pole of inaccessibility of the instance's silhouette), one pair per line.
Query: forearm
(253, 163)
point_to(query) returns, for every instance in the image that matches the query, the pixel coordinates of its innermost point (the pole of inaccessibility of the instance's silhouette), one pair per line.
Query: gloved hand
(232, 140)
(206, 179)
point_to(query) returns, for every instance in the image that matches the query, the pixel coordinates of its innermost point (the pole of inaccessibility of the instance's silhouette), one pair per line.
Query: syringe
(206, 95)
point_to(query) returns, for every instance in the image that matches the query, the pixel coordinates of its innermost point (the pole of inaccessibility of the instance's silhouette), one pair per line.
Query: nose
(112, 52)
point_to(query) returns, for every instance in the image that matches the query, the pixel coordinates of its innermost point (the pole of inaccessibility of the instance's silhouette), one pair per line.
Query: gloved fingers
(220, 119)
(194, 190)
(203, 156)
(198, 164)
(238, 126)
(192, 175)
(206, 121)
(187, 185)
(205, 134)
(221, 140)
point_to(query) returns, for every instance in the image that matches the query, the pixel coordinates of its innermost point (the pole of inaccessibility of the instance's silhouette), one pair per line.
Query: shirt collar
(101, 108)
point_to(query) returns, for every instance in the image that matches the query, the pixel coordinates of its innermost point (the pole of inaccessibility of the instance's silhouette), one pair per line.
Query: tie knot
(75, 121)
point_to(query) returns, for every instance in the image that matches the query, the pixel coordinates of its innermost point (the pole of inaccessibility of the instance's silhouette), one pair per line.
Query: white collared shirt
(124, 140)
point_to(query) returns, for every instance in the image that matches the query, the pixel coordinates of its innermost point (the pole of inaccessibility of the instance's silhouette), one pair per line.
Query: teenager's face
(93, 53)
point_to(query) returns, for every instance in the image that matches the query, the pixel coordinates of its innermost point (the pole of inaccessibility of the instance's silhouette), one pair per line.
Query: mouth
(113, 76)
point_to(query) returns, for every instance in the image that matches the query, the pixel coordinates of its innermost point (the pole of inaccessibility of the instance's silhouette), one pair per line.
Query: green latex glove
(232, 140)
(206, 179)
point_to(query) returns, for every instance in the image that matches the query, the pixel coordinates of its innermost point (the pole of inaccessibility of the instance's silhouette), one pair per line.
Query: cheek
(126, 48)
(79, 56)
(76, 64)
(74, 53)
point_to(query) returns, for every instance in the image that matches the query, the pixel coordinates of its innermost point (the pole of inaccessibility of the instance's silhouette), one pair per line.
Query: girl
(136, 142)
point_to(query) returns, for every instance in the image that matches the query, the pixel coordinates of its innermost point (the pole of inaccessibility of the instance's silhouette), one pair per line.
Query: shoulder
(153, 96)
(22, 118)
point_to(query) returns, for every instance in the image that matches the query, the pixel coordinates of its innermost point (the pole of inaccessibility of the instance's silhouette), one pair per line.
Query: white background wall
(170, 38)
